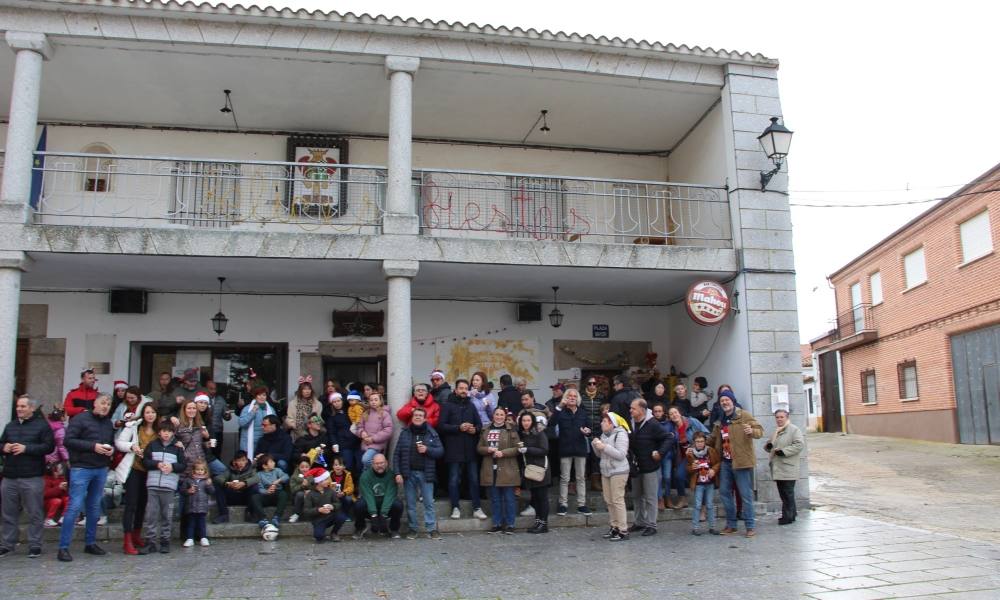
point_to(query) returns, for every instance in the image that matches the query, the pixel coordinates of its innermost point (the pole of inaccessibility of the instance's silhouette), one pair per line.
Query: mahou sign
(707, 303)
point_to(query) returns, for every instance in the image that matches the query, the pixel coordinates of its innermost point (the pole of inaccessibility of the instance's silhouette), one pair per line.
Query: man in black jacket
(622, 396)
(509, 397)
(459, 428)
(24, 443)
(440, 390)
(649, 442)
(89, 440)
(275, 442)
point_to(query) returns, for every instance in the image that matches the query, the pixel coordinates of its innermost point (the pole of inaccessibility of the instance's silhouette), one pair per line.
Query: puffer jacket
(402, 457)
(157, 452)
(85, 430)
(648, 437)
(405, 412)
(379, 427)
(36, 435)
(741, 444)
(59, 454)
(507, 471)
(78, 400)
(572, 441)
(197, 503)
(790, 442)
(614, 456)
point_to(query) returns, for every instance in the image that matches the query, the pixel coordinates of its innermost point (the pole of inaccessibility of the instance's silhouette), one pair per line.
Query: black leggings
(134, 500)
(786, 491)
(540, 502)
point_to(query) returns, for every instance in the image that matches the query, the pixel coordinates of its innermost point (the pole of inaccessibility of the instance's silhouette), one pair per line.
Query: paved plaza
(825, 556)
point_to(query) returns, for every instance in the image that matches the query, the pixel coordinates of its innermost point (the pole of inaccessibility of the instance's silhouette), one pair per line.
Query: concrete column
(11, 265)
(398, 274)
(30, 49)
(400, 217)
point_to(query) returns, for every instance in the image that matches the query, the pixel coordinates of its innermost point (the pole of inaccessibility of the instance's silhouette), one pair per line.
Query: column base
(400, 224)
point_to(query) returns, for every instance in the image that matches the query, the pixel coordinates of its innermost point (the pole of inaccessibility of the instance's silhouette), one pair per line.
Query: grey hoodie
(614, 456)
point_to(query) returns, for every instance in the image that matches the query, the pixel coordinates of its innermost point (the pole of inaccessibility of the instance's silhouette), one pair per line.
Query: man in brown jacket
(732, 438)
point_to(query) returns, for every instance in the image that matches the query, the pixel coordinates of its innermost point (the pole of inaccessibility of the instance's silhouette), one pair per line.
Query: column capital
(14, 259)
(400, 268)
(24, 40)
(405, 64)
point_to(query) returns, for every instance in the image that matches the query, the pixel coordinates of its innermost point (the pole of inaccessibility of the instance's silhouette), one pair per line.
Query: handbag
(534, 472)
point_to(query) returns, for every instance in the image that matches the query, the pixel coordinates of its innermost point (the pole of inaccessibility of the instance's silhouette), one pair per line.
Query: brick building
(917, 341)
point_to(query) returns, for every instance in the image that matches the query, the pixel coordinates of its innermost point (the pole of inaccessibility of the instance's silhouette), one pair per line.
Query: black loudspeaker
(127, 301)
(529, 311)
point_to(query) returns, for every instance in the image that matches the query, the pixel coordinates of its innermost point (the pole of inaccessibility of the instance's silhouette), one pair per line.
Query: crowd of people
(327, 456)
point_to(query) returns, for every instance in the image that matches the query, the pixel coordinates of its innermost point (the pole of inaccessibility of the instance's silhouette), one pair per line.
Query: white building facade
(453, 199)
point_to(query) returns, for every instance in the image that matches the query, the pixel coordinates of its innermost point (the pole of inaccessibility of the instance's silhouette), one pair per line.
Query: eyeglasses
(591, 383)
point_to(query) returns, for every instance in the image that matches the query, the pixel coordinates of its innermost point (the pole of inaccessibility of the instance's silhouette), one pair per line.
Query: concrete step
(237, 529)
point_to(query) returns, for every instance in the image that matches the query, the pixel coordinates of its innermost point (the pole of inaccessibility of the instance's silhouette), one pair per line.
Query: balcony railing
(114, 190)
(855, 321)
(477, 204)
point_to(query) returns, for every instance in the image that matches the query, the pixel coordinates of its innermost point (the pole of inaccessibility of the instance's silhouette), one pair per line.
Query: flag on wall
(37, 164)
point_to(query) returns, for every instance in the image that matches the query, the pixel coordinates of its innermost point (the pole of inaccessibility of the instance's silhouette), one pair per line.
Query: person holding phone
(573, 424)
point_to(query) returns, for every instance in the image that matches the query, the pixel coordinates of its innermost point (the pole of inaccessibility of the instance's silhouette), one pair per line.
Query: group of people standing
(165, 447)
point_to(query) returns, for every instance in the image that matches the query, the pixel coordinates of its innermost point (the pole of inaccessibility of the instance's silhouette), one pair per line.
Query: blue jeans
(455, 476)
(368, 457)
(704, 495)
(679, 478)
(216, 467)
(504, 506)
(416, 485)
(744, 484)
(86, 489)
(666, 477)
(352, 461)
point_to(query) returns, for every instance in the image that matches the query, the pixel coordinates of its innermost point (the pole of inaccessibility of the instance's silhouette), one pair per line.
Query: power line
(895, 203)
(880, 191)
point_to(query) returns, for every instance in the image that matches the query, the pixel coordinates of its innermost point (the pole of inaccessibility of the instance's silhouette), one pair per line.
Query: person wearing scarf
(732, 437)
(304, 405)
(251, 419)
(784, 449)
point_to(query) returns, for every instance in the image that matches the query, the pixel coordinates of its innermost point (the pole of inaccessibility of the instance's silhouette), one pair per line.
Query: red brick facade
(915, 324)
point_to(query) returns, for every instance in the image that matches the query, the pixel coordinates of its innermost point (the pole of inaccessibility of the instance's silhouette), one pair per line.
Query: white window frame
(872, 286)
(975, 237)
(903, 367)
(908, 262)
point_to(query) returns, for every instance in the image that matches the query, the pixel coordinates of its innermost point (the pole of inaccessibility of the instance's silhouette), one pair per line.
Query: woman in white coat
(785, 447)
(612, 450)
(132, 440)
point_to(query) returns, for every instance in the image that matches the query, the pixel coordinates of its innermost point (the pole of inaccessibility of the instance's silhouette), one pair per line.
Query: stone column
(398, 274)
(30, 49)
(762, 230)
(11, 265)
(400, 217)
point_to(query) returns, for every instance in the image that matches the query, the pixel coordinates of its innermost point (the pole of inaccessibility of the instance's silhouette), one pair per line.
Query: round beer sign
(707, 303)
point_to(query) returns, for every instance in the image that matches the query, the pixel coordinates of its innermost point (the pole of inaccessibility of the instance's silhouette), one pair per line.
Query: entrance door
(360, 370)
(976, 369)
(829, 392)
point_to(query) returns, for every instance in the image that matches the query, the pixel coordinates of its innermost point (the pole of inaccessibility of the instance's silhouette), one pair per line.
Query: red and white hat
(318, 474)
(437, 373)
(121, 384)
(199, 397)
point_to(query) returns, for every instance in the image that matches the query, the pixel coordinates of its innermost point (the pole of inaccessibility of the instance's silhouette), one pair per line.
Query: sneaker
(583, 510)
(609, 534)
(103, 520)
(395, 535)
(619, 536)
(149, 548)
(496, 529)
(636, 527)
(713, 531)
(508, 530)
(751, 533)
(434, 534)
(34, 552)
(479, 514)
(293, 518)
(164, 546)
(648, 531)
(411, 534)
(562, 510)
(188, 543)
(220, 519)
(205, 543)
(695, 532)
(51, 523)
(94, 549)
(456, 513)
(64, 555)
(727, 531)
(528, 512)
(262, 523)
(59, 521)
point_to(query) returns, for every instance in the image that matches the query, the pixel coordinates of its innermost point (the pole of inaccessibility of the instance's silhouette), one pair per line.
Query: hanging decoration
(358, 321)
(434, 341)
(619, 358)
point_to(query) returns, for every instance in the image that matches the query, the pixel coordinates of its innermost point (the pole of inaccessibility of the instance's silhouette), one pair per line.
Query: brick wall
(916, 323)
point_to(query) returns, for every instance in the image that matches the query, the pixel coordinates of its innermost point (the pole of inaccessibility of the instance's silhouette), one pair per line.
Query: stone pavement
(825, 556)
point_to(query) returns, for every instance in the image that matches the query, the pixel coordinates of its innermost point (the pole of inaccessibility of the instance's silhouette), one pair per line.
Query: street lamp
(556, 316)
(775, 141)
(219, 321)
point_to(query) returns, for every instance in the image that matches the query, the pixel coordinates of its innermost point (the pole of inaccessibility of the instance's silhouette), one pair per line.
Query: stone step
(237, 529)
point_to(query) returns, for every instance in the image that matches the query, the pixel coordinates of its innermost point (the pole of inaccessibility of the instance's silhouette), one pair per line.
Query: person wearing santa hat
(119, 396)
(322, 506)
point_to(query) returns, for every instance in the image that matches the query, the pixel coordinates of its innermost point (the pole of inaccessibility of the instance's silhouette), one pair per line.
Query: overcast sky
(883, 97)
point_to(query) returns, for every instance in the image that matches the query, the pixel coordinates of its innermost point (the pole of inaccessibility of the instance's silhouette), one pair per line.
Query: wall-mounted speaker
(529, 311)
(127, 301)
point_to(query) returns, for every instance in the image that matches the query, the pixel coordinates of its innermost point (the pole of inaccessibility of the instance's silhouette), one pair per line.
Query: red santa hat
(121, 384)
(318, 474)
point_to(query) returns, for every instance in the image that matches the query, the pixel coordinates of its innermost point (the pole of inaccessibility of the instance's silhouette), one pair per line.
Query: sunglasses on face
(591, 383)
